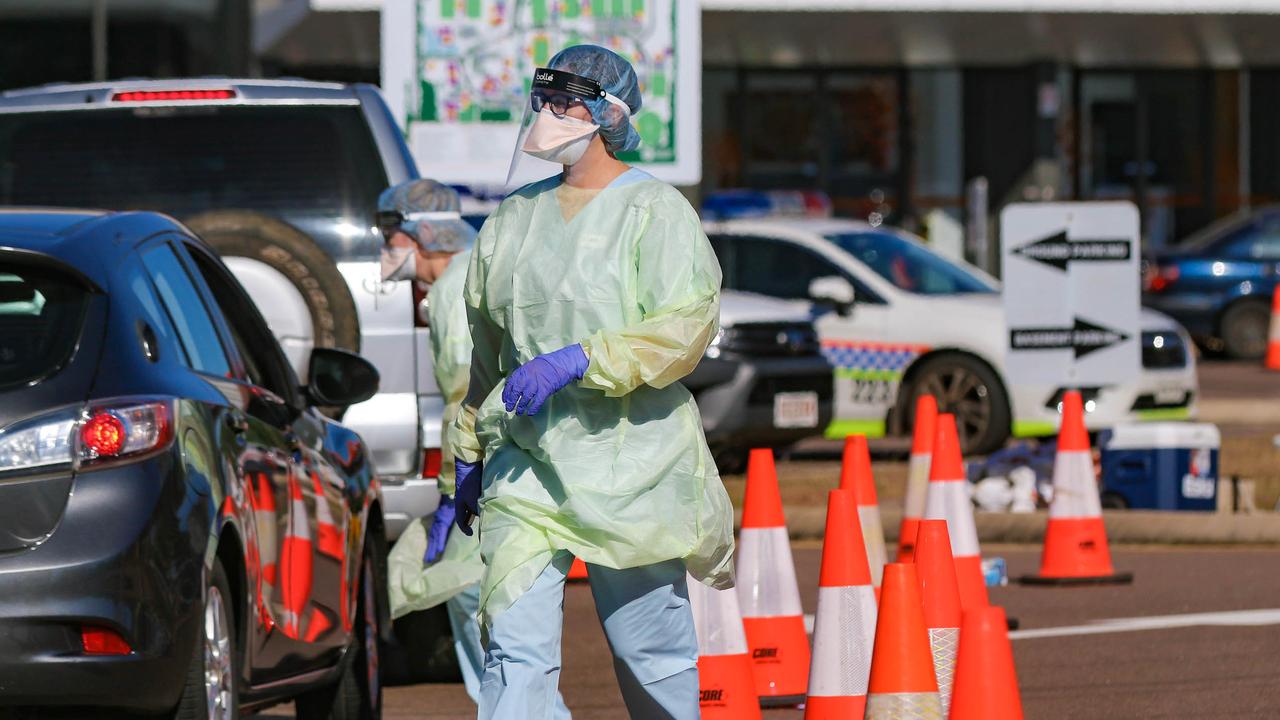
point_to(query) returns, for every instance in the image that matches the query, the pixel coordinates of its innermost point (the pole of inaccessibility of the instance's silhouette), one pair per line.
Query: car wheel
(358, 693)
(967, 388)
(1245, 327)
(212, 687)
(296, 286)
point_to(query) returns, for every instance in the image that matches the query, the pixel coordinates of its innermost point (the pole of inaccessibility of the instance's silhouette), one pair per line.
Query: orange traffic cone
(844, 630)
(917, 474)
(577, 571)
(902, 683)
(986, 682)
(940, 594)
(767, 590)
(1075, 541)
(1273, 339)
(948, 499)
(855, 476)
(726, 686)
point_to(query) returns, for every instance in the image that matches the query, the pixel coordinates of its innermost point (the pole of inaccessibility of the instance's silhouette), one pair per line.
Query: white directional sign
(1071, 293)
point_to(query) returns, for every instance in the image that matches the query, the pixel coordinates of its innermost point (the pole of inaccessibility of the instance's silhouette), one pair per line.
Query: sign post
(1071, 293)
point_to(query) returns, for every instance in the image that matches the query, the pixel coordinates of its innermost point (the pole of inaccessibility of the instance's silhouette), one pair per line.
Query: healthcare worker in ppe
(590, 294)
(427, 241)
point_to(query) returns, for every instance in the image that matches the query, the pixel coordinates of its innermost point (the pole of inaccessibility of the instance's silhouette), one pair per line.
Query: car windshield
(41, 318)
(908, 265)
(315, 167)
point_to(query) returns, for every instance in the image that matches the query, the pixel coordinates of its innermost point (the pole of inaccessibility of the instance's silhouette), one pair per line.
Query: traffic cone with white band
(902, 685)
(856, 477)
(940, 595)
(1075, 551)
(917, 474)
(726, 686)
(948, 499)
(767, 590)
(844, 629)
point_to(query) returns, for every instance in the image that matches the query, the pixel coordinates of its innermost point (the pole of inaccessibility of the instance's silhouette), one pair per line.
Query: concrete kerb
(1123, 527)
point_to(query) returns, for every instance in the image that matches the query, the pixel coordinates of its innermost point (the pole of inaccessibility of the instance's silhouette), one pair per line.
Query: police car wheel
(969, 389)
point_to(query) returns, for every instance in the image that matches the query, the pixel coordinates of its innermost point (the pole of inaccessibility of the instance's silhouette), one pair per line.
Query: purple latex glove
(540, 378)
(467, 493)
(438, 535)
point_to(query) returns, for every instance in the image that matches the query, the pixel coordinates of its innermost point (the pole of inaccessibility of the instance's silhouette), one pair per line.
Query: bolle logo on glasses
(545, 77)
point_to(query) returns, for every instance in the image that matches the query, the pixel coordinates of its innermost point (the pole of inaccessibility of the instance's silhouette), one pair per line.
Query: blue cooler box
(1163, 466)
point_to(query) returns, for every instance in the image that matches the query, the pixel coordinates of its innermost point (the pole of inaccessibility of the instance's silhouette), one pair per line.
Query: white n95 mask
(398, 263)
(561, 140)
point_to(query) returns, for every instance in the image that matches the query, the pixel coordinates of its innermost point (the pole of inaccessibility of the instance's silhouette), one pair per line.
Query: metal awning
(829, 38)
(1017, 6)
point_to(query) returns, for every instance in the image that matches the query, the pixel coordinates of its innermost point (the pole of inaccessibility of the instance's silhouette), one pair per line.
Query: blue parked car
(1218, 283)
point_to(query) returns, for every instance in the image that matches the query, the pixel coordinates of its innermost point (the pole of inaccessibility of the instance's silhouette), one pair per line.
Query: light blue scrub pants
(462, 609)
(646, 618)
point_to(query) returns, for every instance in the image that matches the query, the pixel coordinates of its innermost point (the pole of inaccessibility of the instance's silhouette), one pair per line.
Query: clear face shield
(550, 136)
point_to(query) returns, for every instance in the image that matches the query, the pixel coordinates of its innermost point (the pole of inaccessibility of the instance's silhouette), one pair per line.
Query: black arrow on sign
(1057, 250)
(1084, 337)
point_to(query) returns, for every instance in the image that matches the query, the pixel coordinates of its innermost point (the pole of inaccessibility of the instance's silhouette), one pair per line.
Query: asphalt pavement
(1179, 646)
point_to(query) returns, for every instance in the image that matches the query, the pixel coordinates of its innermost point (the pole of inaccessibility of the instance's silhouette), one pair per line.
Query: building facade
(892, 107)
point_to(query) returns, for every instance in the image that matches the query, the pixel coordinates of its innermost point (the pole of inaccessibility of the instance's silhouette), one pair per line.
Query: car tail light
(104, 431)
(117, 431)
(42, 442)
(101, 641)
(172, 95)
(431, 461)
(1159, 279)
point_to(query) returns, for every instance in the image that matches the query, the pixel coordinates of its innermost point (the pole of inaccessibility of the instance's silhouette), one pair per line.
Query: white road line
(1238, 618)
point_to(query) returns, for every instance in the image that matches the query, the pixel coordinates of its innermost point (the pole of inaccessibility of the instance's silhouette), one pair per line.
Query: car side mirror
(338, 378)
(832, 290)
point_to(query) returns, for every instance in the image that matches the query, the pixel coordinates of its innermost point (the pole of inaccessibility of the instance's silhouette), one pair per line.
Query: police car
(897, 320)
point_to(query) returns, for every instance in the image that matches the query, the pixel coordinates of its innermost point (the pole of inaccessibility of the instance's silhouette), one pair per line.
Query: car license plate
(1170, 396)
(795, 410)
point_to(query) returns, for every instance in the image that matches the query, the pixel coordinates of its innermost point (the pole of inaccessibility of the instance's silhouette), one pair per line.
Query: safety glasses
(557, 103)
(390, 222)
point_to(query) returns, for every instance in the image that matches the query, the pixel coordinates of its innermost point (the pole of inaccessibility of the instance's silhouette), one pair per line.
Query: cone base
(779, 658)
(1273, 357)
(1123, 578)
(726, 688)
(821, 708)
(781, 701)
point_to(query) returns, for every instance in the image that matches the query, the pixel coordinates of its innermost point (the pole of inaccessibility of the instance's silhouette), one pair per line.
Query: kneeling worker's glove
(467, 493)
(438, 535)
